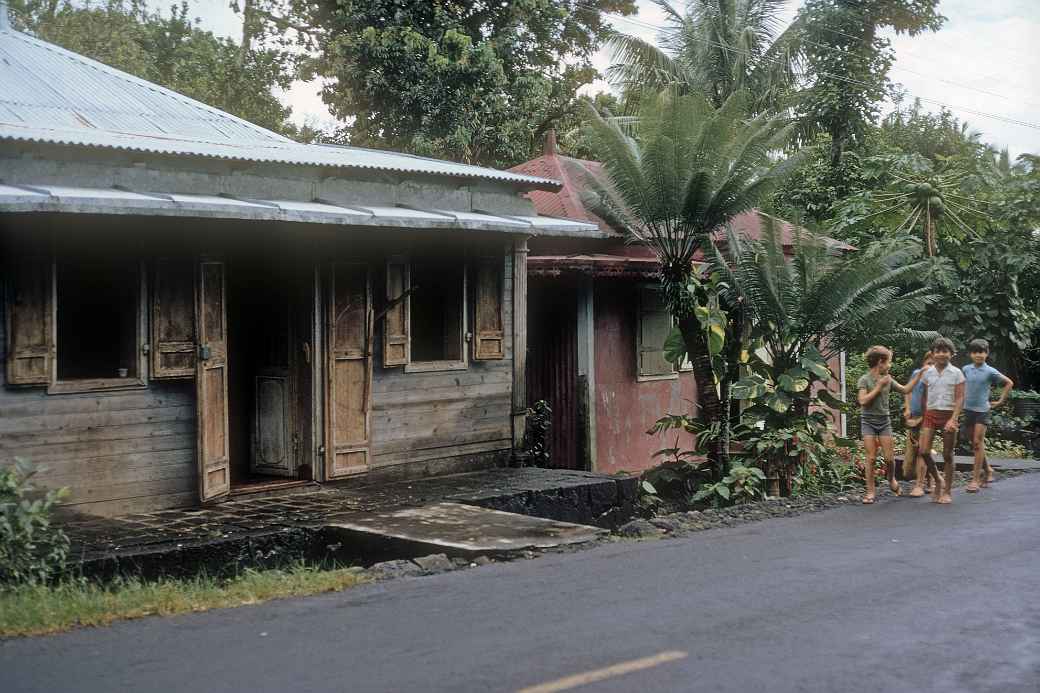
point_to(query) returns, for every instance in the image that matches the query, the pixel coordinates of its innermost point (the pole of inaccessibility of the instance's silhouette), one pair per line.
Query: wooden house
(596, 330)
(194, 306)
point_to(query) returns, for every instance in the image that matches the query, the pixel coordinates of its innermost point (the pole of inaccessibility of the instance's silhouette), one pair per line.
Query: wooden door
(273, 442)
(211, 382)
(349, 375)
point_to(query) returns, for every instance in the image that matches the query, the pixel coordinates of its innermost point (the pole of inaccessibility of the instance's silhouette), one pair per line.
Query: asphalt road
(901, 596)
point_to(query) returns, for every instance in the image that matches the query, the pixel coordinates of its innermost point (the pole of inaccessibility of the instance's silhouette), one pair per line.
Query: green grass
(37, 610)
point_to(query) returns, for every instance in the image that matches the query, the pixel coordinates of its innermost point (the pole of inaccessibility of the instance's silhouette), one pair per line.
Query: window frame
(686, 367)
(140, 382)
(462, 364)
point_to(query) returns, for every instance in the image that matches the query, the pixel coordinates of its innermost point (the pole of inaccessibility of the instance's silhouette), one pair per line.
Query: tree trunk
(711, 406)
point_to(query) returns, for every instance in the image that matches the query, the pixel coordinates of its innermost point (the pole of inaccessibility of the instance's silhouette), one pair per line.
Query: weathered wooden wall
(116, 451)
(424, 417)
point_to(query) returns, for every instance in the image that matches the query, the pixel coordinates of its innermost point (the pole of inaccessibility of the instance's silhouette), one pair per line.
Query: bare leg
(949, 443)
(978, 444)
(925, 455)
(870, 445)
(889, 449)
(912, 445)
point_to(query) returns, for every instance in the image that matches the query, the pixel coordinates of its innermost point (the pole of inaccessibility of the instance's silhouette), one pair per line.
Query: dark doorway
(552, 364)
(269, 344)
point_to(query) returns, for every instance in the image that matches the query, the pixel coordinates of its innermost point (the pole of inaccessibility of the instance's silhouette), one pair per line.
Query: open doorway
(270, 407)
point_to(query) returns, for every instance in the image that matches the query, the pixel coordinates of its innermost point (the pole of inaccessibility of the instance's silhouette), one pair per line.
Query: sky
(984, 62)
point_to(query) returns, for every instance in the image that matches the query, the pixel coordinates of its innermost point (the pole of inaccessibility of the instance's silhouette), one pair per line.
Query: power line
(984, 114)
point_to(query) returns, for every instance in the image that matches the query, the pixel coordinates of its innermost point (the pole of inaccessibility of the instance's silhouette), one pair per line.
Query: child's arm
(958, 403)
(1008, 384)
(906, 404)
(909, 387)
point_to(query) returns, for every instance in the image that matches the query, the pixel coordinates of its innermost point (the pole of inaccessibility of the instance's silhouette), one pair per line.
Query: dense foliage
(32, 548)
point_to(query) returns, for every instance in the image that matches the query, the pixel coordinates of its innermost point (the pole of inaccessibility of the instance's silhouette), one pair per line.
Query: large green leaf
(792, 384)
(779, 401)
(815, 364)
(828, 398)
(675, 347)
(750, 387)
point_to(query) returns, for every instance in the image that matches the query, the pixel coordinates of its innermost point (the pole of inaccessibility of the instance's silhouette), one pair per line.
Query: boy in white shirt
(944, 399)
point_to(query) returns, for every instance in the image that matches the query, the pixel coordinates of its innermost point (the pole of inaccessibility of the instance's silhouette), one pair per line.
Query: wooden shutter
(349, 370)
(395, 340)
(655, 323)
(489, 338)
(173, 319)
(211, 376)
(30, 320)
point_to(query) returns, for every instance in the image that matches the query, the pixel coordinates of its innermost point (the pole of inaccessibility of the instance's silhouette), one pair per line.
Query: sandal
(972, 487)
(894, 486)
(868, 500)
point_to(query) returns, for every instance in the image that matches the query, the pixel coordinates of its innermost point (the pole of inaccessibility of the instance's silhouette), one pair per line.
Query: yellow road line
(620, 669)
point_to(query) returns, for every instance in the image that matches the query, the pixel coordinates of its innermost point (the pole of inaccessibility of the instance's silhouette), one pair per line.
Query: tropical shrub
(32, 548)
(536, 435)
(741, 485)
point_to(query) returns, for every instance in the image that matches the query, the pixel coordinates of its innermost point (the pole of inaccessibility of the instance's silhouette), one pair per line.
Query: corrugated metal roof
(60, 198)
(51, 95)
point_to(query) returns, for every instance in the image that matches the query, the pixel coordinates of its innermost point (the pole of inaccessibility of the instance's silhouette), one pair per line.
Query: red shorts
(935, 419)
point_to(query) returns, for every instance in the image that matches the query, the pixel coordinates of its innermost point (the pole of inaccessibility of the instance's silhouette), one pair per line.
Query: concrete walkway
(293, 525)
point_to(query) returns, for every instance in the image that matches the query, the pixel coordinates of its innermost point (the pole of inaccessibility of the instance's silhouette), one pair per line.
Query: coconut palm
(678, 173)
(717, 47)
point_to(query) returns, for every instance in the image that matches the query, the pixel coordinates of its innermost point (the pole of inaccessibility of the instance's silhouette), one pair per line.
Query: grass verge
(38, 610)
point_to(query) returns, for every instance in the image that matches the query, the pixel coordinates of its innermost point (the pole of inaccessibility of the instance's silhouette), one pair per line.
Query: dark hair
(942, 344)
(977, 345)
(877, 354)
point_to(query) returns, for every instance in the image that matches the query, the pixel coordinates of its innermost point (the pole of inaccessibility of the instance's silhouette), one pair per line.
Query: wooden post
(586, 339)
(519, 340)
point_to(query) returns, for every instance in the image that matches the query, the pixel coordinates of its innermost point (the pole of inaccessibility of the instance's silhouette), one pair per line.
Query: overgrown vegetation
(536, 436)
(33, 549)
(41, 608)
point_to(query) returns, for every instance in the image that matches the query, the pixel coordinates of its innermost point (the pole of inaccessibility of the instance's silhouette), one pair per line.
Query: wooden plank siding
(135, 450)
(426, 416)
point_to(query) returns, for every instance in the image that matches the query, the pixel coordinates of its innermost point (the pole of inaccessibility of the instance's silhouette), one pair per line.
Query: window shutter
(173, 319)
(655, 324)
(30, 329)
(489, 342)
(395, 323)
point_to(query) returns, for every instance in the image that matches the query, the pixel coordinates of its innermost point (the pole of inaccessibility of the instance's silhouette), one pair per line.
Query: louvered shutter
(655, 323)
(395, 323)
(29, 328)
(173, 319)
(489, 341)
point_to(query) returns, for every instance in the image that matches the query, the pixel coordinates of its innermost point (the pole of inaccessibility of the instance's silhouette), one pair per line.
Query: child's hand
(996, 405)
(951, 426)
(884, 380)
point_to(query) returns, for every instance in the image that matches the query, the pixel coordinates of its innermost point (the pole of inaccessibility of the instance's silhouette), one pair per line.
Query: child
(913, 412)
(978, 376)
(944, 398)
(875, 422)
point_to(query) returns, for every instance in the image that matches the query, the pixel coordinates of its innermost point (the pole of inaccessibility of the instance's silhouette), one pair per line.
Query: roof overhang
(81, 200)
(595, 265)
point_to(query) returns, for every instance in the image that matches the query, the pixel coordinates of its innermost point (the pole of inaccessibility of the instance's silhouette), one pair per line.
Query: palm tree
(717, 47)
(683, 173)
(822, 299)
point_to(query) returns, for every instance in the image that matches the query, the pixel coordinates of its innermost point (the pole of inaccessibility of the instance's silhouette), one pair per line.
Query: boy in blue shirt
(978, 377)
(913, 413)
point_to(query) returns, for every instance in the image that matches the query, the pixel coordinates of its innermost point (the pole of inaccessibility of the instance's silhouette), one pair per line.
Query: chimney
(549, 148)
(5, 22)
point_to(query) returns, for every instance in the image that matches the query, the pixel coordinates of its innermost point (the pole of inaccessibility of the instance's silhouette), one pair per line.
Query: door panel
(272, 439)
(349, 370)
(212, 383)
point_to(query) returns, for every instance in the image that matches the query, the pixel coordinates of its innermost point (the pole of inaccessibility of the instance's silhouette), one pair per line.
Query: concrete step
(454, 529)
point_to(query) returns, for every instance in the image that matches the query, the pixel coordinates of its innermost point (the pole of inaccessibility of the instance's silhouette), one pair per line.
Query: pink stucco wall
(626, 408)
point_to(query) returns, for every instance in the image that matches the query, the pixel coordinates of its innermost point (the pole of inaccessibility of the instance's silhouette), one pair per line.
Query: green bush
(32, 548)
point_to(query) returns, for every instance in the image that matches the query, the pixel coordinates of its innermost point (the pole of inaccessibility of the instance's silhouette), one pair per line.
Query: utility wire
(994, 116)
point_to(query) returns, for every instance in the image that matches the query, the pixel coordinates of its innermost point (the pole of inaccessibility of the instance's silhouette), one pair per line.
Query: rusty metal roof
(52, 95)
